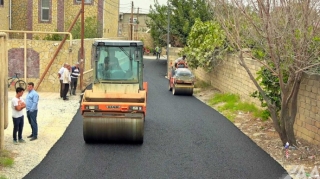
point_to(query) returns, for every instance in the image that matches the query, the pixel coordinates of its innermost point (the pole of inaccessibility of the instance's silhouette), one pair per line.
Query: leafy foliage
(270, 84)
(158, 23)
(182, 17)
(206, 45)
(91, 29)
(53, 37)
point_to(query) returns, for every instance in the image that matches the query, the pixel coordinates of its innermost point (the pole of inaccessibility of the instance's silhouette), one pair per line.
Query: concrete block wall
(230, 77)
(307, 123)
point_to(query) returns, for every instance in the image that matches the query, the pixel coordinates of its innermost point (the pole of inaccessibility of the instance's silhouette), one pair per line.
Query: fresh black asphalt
(184, 138)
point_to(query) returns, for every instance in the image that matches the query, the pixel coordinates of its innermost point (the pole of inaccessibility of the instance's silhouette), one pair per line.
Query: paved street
(184, 138)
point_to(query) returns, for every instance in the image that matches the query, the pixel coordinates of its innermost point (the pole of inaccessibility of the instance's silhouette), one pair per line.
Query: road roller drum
(117, 127)
(183, 89)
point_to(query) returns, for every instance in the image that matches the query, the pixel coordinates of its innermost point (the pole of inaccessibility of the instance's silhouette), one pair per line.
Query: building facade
(138, 25)
(58, 15)
(4, 15)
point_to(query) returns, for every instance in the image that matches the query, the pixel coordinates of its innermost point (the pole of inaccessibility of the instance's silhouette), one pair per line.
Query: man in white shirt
(61, 79)
(66, 79)
(18, 104)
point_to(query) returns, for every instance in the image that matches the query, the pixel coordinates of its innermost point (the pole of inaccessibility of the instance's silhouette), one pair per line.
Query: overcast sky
(144, 5)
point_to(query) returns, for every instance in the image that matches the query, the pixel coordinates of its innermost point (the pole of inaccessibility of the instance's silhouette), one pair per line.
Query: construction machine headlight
(136, 108)
(91, 107)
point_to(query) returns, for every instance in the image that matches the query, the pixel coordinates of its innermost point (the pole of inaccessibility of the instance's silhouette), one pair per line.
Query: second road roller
(181, 79)
(114, 109)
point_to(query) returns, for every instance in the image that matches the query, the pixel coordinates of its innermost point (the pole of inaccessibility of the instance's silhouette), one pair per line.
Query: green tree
(284, 38)
(182, 17)
(206, 45)
(92, 28)
(158, 23)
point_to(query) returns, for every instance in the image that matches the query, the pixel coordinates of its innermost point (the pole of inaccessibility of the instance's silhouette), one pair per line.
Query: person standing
(32, 100)
(75, 73)
(158, 52)
(18, 104)
(61, 79)
(66, 81)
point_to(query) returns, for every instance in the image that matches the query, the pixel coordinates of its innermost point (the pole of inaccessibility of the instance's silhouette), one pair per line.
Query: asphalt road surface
(184, 138)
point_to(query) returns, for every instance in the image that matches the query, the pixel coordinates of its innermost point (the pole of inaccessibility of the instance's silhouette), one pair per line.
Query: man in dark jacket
(75, 73)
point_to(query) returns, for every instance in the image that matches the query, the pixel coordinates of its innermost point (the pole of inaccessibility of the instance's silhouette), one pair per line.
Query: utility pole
(131, 21)
(168, 33)
(137, 25)
(82, 60)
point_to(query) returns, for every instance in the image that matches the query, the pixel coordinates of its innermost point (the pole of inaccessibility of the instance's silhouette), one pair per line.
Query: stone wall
(39, 55)
(230, 77)
(146, 38)
(4, 15)
(19, 16)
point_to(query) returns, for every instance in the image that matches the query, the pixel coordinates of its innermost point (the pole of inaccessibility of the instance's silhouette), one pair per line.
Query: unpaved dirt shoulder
(264, 135)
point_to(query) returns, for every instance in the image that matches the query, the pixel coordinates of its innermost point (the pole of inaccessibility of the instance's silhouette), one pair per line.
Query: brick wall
(230, 77)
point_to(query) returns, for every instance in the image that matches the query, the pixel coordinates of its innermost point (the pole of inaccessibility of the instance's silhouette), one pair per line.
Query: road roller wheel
(170, 89)
(174, 92)
(105, 127)
(191, 92)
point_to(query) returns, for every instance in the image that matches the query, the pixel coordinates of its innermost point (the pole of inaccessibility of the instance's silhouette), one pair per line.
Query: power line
(104, 8)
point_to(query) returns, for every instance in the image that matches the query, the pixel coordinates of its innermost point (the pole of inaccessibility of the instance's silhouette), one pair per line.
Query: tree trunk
(287, 126)
(276, 124)
(290, 132)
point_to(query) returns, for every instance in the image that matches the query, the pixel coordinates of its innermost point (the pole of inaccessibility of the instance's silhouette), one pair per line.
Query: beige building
(138, 25)
(4, 15)
(57, 15)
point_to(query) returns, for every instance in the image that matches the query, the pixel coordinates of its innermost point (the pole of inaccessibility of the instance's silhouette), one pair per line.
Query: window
(115, 64)
(45, 10)
(85, 1)
(1, 2)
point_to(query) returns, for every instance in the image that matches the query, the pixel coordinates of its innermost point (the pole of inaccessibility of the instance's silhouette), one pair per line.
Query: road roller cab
(114, 109)
(181, 81)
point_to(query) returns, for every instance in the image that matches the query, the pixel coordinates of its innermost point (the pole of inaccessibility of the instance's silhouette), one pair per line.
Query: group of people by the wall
(68, 77)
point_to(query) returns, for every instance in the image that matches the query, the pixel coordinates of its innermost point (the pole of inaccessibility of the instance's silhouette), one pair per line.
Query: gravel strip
(54, 116)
